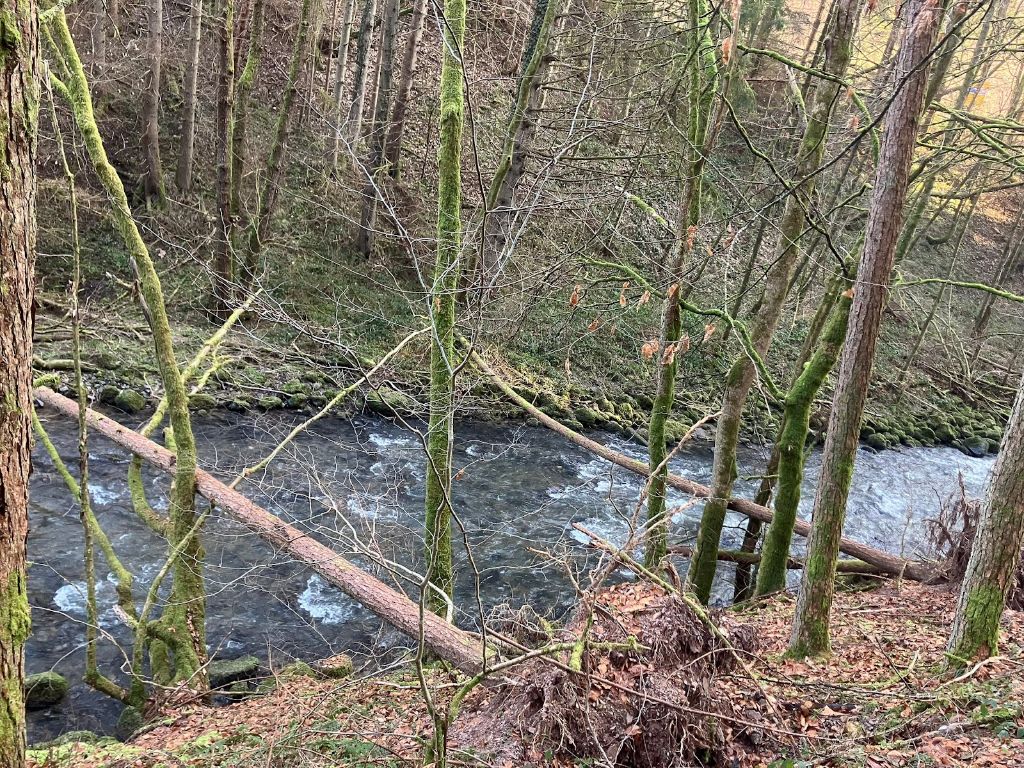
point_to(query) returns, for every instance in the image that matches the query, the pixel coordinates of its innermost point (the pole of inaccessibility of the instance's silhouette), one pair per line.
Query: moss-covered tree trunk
(518, 136)
(186, 150)
(259, 228)
(393, 145)
(152, 180)
(441, 308)
(224, 221)
(871, 290)
(379, 129)
(701, 89)
(999, 536)
(185, 614)
(19, 116)
(840, 33)
(771, 573)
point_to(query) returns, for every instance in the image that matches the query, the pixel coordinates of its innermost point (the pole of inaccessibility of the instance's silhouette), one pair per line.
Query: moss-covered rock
(878, 441)
(293, 387)
(108, 394)
(291, 671)
(587, 416)
(201, 401)
(974, 446)
(298, 401)
(391, 402)
(239, 405)
(128, 723)
(71, 737)
(45, 689)
(270, 402)
(223, 672)
(130, 401)
(336, 667)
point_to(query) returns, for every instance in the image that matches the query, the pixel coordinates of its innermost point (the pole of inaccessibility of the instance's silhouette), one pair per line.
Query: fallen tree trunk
(883, 561)
(462, 649)
(793, 563)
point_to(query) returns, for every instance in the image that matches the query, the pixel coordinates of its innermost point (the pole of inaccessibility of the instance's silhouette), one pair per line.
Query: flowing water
(361, 482)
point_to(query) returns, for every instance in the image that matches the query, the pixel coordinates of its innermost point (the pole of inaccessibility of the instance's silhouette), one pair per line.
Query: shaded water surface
(519, 491)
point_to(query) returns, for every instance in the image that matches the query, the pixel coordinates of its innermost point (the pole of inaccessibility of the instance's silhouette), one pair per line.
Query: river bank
(884, 700)
(265, 366)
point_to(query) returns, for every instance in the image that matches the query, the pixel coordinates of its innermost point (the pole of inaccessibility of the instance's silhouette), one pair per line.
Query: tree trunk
(771, 574)
(379, 128)
(153, 184)
(259, 228)
(339, 82)
(354, 121)
(998, 540)
(183, 176)
(460, 648)
(811, 624)
(224, 221)
(518, 137)
(702, 87)
(184, 616)
(393, 147)
(19, 116)
(240, 116)
(443, 293)
(794, 218)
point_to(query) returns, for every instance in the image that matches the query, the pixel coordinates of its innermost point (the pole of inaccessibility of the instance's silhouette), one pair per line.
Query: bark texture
(152, 180)
(871, 291)
(183, 174)
(19, 113)
(995, 555)
(393, 146)
(443, 294)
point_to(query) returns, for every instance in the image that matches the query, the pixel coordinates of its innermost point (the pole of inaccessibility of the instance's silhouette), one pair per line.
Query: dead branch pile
(951, 536)
(649, 686)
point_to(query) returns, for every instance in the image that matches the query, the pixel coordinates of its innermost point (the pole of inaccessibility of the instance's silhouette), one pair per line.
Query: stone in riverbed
(130, 401)
(974, 446)
(223, 672)
(45, 689)
(200, 401)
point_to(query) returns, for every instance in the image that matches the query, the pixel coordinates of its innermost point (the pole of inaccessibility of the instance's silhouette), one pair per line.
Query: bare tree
(871, 290)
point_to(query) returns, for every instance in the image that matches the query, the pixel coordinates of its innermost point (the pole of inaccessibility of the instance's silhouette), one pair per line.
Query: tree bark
(871, 290)
(152, 182)
(461, 648)
(379, 128)
(393, 146)
(19, 116)
(183, 175)
(223, 260)
(259, 228)
(339, 82)
(840, 33)
(240, 115)
(998, 539)
(518, 137)
(443, 294)
(354, 121)
(703, 85)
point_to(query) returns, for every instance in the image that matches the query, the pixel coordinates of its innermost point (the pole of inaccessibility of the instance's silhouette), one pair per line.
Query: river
(518, 491)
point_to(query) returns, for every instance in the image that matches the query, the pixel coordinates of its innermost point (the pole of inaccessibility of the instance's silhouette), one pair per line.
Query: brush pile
(646, 684)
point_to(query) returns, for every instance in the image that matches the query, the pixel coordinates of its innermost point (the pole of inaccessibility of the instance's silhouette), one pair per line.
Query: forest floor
(885, 698)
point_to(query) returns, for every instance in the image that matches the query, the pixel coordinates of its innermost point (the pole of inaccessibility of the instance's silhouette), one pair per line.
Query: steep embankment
(883, 699)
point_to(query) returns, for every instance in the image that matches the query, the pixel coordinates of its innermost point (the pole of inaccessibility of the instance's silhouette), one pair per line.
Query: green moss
(45, 689)
(130, 401)
(222, 672)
